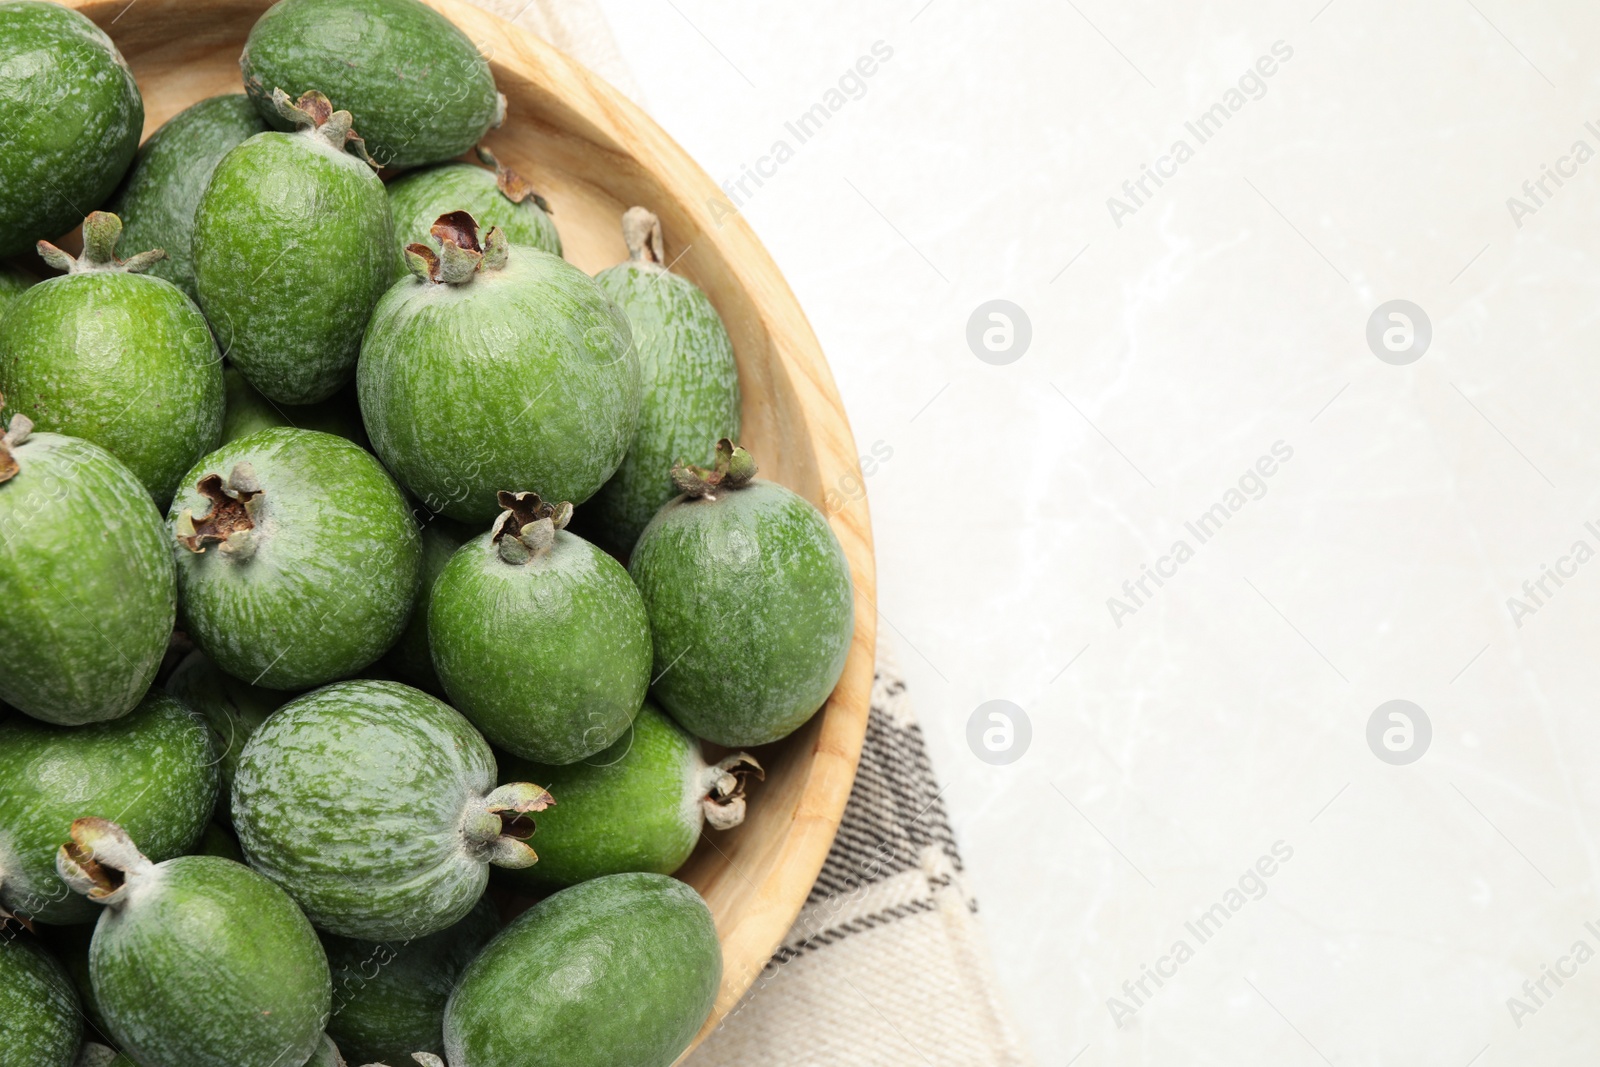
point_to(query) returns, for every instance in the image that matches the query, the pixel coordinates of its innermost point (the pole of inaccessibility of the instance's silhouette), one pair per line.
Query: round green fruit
(494, 368)
(411, 658)
(375, 806)
(153, 769)
(539, 637)
(389, 997)
(637, 806)
(500, 197)
(232, 709)
(422, 90)
(87, 597)
(115, 357)
(292, 248)
(40, 1024)
(690, 385)
(617, 972)
(197, 961)
(750, 603)
(70, 119)
(158, 198)
(299, 569)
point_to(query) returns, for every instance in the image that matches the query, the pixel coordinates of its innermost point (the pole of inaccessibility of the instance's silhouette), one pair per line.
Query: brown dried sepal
(21, 427)
(527, 527)
(231, 510)
(513, 186)
(314, 112)
(734, 467)
(461, 254)
(729, 779)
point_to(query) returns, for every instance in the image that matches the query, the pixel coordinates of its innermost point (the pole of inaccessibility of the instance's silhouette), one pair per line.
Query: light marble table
(1199, 800)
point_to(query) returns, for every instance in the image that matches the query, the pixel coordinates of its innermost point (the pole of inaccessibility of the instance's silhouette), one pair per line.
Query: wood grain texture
(593, 153)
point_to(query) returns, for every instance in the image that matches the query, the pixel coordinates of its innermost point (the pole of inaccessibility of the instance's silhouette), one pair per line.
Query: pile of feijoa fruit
(385, 606)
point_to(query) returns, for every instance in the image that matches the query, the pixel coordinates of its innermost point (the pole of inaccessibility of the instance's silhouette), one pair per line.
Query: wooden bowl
(593, 154)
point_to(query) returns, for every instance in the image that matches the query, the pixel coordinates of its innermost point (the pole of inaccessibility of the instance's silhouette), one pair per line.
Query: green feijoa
(249, 411)
(389, 997)
(292, 248)
(232, 710)
(87, 597)
(637, 806)
(154, 769)
(158, 198)
(197, 961)
(539, 637)
(496, 367)
(302, 566)
(40, 1024)
(690, 386)
(374, 805)
(620, 971)
(750, 603)
(14, 281)
(420, 87)
(116, 357)
(500, 197)
(411, 658)
(70, 119)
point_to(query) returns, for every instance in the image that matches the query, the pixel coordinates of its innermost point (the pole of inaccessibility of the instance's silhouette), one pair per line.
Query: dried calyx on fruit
(19, 430)
(500, 824)
(726, 781)
(734, 469)
(513, 186)
(641, 232)
(461, 255)
(526, 530)
(101, 232)
(313, 115)
(232, 517)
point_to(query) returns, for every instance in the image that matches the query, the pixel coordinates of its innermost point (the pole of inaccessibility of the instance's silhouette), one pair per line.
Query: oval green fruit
(70, 120)
(389, 997)
(87, 597)
(617, 972)
(411, 658)
(421, 90)
(496, 368)
(248, 411)
(292, 248)
(637, 806)
(375, 806)
(40, 1024)
(232, 709)
(197, 961)
(115, 357)
(153, 769)
(500, 197)
(158, 198)
(751, 607)
(539, 637)
(689, 395)
(302, 566)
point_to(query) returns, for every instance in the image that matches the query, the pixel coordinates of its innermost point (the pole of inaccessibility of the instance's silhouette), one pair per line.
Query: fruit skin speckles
(40, 1023)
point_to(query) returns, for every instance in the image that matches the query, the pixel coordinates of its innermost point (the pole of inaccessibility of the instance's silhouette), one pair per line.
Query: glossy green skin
(617, 972)
(523, 379)
(70, 119)
(124, 360)
(39, 1021)
(334, 574)
(158, 198)
(249, 411)
(549, 658)
(87, 597)
(13, 283)
(633, 807)
(418, 88)
(204, 963)
(689, 396)
(292, 248)
(153, 771)
(232, 710)
(419, 198)
(389, 997)
(750, 606)
(351, 798)
(411, 658)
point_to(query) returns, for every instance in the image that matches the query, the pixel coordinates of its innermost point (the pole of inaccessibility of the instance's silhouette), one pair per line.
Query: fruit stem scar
(513, 186)
(232, 516)
(641, 231)
(526, 529)
(461, 257)
(734, 469)
(101, 232)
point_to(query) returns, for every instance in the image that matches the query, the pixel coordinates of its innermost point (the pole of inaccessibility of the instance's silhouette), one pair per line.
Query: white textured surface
(1227, 314)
